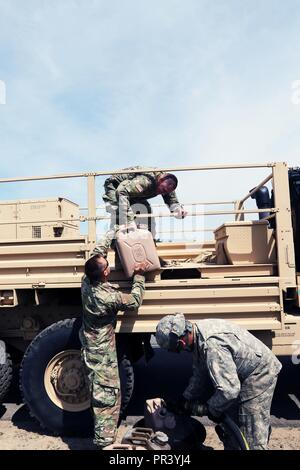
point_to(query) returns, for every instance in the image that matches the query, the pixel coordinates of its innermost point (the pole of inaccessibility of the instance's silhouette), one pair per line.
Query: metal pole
(93, 218)
(144, 170)
(92, 215)
(213, 203)
(253, 191)
(240, 204)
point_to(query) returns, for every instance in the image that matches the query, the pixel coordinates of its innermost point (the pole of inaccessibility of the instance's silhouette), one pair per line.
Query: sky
(92, 85)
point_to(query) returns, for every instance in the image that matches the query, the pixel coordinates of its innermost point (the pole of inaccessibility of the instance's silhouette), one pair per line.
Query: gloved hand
(129, 226)
(177, 406)
(202, 409)
(180, 213)
(199, 409)
(216, 419)
(132, 225)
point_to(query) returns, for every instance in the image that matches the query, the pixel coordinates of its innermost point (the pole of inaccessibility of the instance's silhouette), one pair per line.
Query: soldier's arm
(119, 301)
(171, 201)
(223, 373)
(104, 244)
(198, 383)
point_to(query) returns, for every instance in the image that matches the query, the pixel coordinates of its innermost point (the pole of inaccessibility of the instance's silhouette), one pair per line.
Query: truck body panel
(38, 274)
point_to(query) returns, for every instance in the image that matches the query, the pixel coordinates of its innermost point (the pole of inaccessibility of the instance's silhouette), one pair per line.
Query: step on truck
(247, 271)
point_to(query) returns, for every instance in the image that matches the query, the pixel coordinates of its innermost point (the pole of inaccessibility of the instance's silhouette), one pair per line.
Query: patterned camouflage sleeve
(104, 244)
(223, 373)
(111, 185)
(131, 189)
(119, 301)
(110, 188)
(171, 201)
(198, 382)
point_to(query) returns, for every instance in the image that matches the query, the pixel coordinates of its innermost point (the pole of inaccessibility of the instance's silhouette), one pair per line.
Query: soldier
(239, 367)
(101, 303)
(127, 194)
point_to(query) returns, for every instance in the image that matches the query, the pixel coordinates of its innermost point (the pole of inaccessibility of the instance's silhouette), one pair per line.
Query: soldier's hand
(200, 409)
(131, 225)
(180, 214)
(178, 406)
(141, 268)
(216, 419)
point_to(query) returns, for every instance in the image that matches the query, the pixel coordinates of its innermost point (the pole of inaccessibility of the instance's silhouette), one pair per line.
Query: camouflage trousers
(137, 207)
(254, 418)
(104, 383)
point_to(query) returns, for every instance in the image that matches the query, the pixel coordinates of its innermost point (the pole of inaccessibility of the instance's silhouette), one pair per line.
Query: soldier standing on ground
(237, 366)
(128, 194)
(101, 303)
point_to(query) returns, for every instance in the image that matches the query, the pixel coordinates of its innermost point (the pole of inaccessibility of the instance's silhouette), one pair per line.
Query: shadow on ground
(167, 375)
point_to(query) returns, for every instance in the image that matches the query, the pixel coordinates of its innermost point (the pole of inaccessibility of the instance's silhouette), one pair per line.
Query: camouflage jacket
(230, 358)
(102, 301)
(132, 186)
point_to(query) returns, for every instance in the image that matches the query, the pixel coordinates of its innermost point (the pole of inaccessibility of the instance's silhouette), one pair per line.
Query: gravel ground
(163, 376)
(14, 438)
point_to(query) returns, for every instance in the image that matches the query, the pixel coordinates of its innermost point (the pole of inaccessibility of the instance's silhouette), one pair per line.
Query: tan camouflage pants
(103, 376)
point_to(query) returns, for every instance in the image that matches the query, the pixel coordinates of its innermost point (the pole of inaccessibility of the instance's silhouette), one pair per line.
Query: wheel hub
(66, 383)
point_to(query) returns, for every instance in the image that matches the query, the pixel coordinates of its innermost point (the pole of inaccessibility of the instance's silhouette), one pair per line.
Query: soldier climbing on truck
(127, 194)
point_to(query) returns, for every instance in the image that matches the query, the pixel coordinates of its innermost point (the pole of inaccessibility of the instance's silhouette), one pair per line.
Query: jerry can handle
(128, 228)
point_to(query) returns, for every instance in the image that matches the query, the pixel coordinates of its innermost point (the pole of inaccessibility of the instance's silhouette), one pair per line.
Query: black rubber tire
(6, 375)
(127, 382)
(54, 339)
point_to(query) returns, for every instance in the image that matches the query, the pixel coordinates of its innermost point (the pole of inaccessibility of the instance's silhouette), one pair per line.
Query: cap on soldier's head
(175, 324)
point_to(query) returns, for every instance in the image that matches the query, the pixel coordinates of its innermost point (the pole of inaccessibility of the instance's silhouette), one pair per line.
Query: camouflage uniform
(238, 366)
(128, 194)
(101, 303)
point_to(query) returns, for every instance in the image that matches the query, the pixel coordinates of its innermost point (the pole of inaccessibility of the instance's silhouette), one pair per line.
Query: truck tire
(53, 382)
(127, 383)
(6, 374)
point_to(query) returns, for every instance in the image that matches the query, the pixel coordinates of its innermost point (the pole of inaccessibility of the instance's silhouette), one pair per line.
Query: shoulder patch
(139, 187)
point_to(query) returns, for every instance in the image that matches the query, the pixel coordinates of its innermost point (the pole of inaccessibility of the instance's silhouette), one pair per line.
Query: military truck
(248, 272)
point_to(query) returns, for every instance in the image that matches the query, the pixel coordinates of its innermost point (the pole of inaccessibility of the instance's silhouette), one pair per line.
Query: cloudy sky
(97, 85)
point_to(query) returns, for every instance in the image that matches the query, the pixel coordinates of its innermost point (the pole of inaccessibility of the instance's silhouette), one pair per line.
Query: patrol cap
(175, 324)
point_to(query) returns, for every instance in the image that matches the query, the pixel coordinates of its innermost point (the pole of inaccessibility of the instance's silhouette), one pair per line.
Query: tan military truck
(248, 272)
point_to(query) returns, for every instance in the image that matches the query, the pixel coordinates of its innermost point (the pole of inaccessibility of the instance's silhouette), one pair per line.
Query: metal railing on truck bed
(251, 294)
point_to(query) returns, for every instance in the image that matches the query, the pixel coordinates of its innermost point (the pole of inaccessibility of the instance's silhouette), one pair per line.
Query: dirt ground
(14, 438)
